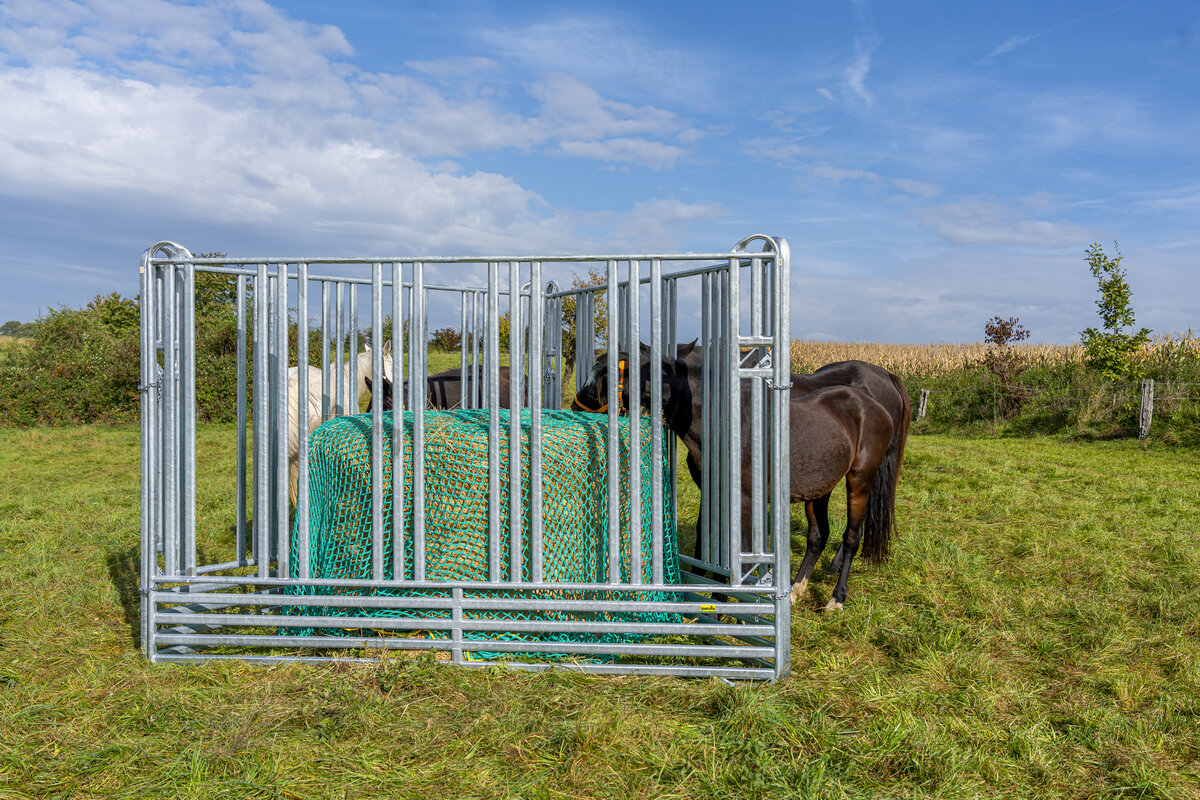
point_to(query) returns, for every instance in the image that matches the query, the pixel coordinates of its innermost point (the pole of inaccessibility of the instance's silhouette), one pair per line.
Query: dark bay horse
(837, 432)
(445, 389)
(881, 386)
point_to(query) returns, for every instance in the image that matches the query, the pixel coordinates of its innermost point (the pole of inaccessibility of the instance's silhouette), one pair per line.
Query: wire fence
(997, 402)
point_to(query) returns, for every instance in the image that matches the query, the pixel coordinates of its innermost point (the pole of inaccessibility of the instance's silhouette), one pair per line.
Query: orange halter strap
(602, 405)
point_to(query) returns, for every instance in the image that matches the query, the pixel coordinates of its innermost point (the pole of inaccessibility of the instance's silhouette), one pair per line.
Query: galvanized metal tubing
(231, 607)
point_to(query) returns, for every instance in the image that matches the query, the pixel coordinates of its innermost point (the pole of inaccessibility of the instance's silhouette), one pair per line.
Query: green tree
(1112, 351)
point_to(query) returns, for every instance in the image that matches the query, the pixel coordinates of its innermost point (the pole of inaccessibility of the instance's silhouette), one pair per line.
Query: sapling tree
(1112, 351)
(1002, 359)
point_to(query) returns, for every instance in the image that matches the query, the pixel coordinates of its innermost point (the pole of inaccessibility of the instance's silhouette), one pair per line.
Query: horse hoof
(833, 605)
(798, 589)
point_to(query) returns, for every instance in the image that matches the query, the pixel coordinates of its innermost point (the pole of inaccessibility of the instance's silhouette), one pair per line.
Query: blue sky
(933, 164)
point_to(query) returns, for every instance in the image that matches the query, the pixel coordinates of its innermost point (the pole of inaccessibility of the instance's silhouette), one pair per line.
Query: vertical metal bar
(613, 451)
(399, 459)
(493, 405)
(262, 445)
(757, 456)
(353, 393)
(462, 349)
(420, 379)
(339, 369)
(516, 358)
(656, 422)
(188, 421)
(242, 433)
(476, 363)
(622, 315)
(537, 303)
(589, 332)
(170, 422)
(160, 300)
(282, 529)
(716, 507)
(781, 471)
(582, 365)
(731, 377)
(411, 392)
(707, 533)
(634, 384)
(670, 295)
(271, 387)
(326, 332)
(303, 409)
(552, 340)
(377, 421)
(149, 398)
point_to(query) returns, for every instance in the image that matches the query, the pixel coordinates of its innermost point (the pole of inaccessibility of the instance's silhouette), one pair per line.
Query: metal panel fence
(250, 587)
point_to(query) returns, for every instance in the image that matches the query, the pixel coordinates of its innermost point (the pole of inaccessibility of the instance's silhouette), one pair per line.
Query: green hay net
(575, 518)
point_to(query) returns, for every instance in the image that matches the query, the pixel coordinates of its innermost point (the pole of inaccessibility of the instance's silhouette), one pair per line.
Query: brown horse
(881, 386)
(836, 432)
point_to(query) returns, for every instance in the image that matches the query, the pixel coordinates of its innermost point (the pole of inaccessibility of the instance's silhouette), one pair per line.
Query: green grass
(1035, 635)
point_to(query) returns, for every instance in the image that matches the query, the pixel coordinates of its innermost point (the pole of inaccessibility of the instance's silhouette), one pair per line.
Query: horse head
(677, 393)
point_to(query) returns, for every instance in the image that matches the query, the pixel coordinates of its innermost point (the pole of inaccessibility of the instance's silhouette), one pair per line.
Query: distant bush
(82, 366)
(20, 330)
(447, 340)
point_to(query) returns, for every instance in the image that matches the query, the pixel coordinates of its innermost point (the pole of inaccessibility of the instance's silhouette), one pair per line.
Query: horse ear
(684, 350)
(387, 347)
(645, 348)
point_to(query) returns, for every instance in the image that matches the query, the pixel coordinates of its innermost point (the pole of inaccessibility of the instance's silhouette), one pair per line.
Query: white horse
(315, 402)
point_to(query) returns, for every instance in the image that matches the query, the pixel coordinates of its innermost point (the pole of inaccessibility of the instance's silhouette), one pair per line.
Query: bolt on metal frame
(734, 625)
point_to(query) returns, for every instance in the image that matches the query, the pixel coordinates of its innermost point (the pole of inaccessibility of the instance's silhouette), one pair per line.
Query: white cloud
(609, 51)
(573, 106)
(1007, 46)
(776, 149)
(907, 185)
(836, 175)
(919, 188)
(975, 222)
(661, 222)
(625, 150)
(112, 105)
(855, 76)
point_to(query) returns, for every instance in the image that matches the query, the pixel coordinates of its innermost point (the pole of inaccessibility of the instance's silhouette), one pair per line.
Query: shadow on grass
(124, 570)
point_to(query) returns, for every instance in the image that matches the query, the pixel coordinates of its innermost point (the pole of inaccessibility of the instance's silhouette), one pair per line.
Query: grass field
(1037, 634)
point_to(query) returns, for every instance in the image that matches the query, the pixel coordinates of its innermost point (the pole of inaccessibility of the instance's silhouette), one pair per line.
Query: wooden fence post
(1146, 408)
(923, 405)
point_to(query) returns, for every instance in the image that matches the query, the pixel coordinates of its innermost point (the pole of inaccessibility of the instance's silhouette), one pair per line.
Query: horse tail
(880, 523)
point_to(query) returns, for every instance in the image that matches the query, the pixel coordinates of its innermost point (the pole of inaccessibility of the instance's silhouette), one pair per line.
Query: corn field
(939, 360)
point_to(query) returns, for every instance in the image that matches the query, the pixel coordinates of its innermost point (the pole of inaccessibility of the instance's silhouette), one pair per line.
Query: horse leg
(835, 566)
(818, 534)
(856, 512)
